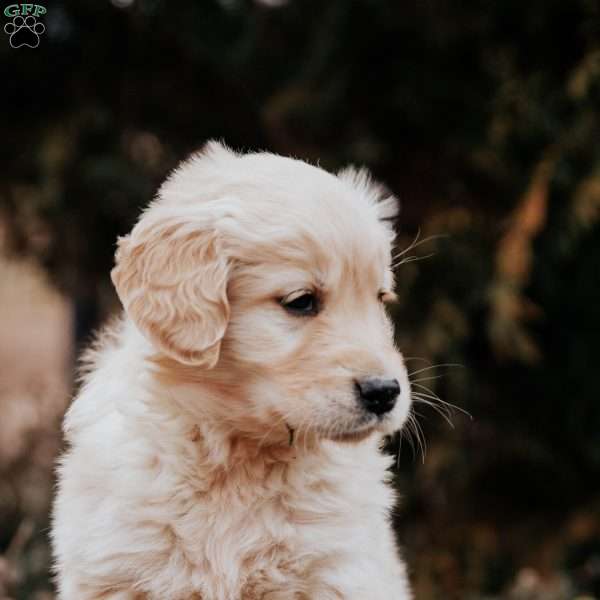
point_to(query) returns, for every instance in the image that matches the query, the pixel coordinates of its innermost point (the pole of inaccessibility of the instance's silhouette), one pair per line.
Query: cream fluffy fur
(217, 450)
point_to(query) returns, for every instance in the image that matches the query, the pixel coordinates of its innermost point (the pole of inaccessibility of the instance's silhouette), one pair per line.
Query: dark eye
(301, 303)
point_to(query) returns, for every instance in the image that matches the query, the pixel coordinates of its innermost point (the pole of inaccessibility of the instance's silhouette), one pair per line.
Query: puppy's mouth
(354, 433)
(353, 436)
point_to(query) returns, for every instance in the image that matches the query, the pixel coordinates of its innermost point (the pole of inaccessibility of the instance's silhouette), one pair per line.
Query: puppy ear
(171, 276)
(388, 206)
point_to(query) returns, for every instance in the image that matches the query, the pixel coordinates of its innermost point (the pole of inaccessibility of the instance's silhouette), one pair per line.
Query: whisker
(420, 415)
(416, 242)
(409, 247)
(436, 408)
(409, 436)
(426, 378)
(420, 437)
(434, 367)
(399, 451)
(410, 259)
(416, 432)
(434, 396)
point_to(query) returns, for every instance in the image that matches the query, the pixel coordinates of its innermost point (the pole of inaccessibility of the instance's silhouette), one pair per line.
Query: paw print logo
(24, 31)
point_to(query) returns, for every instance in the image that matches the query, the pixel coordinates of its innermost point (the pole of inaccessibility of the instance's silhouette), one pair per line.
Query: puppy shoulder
(109, 375)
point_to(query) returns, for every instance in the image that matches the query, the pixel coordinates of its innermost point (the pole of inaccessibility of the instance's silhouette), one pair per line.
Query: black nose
(378, 395)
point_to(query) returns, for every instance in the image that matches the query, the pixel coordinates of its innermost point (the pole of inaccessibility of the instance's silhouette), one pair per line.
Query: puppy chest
(254, 541)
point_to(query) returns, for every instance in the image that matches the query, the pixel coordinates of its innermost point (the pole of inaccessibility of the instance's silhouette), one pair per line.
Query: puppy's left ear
(387, 205)
(171, 276)
(388, 209)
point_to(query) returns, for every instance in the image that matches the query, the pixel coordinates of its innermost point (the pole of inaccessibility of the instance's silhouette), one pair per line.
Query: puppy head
(265, 278)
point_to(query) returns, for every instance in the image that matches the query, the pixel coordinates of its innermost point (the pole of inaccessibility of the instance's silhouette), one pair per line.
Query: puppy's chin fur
(181, 480)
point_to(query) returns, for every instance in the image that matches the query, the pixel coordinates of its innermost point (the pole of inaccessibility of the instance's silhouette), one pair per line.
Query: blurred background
(482, 117)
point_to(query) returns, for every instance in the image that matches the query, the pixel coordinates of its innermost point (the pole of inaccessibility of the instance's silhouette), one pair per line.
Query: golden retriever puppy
(225, 443)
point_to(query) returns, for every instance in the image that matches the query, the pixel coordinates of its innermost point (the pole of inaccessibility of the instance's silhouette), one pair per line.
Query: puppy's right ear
(171, 276)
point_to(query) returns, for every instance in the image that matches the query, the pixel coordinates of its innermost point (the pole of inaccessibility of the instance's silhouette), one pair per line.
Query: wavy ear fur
(171, 276)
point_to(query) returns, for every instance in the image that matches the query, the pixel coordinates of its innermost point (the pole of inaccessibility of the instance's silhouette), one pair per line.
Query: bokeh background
(483, 117)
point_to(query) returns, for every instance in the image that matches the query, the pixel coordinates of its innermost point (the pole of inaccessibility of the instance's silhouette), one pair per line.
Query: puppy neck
(214, 420)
